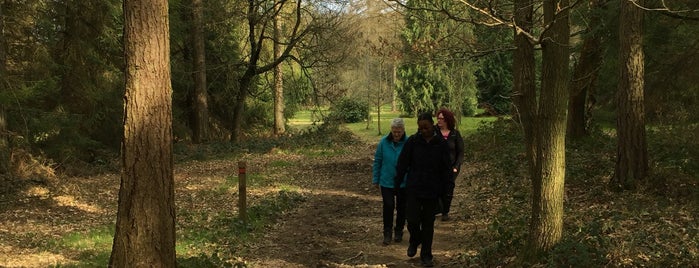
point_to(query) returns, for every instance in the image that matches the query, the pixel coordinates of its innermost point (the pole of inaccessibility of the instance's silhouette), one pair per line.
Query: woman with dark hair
(446, 123)
(425, 160)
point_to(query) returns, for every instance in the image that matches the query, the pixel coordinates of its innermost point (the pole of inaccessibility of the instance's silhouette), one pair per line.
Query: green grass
(372, 133)
(204, 239)
(94, 247)
(305, 118)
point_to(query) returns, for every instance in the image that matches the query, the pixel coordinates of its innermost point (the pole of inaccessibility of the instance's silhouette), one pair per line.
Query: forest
(123, 123)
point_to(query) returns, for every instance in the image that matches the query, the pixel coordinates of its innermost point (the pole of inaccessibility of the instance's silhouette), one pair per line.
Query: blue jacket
(385, 160)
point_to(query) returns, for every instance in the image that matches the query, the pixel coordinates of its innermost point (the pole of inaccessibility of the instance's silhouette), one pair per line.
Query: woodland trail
(339, 225)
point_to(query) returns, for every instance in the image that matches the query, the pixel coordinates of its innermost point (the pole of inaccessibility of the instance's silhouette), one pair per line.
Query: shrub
(349, 111)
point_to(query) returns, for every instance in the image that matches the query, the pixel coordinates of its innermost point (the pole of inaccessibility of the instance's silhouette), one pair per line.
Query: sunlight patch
(70, 201)
(38, 191)
(41, 259)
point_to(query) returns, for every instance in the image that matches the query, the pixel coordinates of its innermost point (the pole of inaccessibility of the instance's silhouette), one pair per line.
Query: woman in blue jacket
(425, 160)
(385, 160)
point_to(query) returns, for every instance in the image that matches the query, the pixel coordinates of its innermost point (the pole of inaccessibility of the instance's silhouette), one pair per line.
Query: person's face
(397, 133)
(425, 128)
(441, 122)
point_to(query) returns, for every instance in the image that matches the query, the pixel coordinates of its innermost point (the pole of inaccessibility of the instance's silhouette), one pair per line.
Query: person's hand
(455, 170)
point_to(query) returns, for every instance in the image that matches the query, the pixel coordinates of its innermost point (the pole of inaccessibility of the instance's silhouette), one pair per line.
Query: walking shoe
(399, 237)
(386, 238)
(427, 262)
(412, 250)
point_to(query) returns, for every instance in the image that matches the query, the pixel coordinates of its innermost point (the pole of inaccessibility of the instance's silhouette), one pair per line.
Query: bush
(349, 111)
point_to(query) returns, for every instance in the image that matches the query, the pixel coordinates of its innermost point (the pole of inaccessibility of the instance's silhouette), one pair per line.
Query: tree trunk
(394, 98)
(585, 74)
(4, 138)
(524, 76)
(278, 81)
(243, 86)
(546, 226)
(379, 97)
(201, 98)
(632, 152)
(145, 226)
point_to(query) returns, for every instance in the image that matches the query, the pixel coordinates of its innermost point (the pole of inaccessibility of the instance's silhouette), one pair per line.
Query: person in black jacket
(446, 123)
(425, 160)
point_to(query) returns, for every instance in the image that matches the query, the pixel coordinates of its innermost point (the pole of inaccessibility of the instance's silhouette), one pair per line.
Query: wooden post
(242, 192)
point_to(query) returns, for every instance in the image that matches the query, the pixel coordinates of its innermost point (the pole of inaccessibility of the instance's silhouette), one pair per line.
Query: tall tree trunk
(379, 95)
(524, 74)
(4, 142)
(546, 226)
(394, 89)
(632, 151)
(585, 73)
(243, 86)
(201, 96)
(145, 227)
(245, 81)
(278, 81)
(68, 54)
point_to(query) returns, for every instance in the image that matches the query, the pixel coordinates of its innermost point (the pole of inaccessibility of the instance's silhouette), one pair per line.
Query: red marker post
(242, 209)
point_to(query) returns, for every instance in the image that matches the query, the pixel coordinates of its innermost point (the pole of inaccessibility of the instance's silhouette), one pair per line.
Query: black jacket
(456, 149)
(427, 164)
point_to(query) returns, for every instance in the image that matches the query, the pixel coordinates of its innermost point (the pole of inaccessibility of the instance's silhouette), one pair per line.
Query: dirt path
(340, 223)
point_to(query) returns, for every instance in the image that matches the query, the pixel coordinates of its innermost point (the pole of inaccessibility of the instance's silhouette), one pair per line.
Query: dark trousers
(420, 213)
(448, 195)
(393, 200)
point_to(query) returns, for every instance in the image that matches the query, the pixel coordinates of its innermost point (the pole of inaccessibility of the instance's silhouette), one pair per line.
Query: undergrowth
(651, 227)
(225, 234)
(315, 137)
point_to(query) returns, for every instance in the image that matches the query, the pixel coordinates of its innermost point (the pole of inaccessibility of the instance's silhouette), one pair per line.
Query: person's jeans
(420, 217)
(393, 200)
(448, 196)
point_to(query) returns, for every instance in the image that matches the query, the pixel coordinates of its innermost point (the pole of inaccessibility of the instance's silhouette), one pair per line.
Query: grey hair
(398, 122)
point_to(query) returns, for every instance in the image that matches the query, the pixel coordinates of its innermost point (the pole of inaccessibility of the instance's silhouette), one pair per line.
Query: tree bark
(546, 226)
(632, 152)
(278, 81)
(524, 78)
(201, 96)
(394, 89)
(243, 85)
(145, 227)
(585, 74)
(4, 137)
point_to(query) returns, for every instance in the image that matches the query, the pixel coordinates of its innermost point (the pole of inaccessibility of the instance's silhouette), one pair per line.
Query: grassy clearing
(305, 118)
(376, 128)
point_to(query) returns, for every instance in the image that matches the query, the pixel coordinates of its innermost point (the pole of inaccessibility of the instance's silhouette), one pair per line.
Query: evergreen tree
(431, 76)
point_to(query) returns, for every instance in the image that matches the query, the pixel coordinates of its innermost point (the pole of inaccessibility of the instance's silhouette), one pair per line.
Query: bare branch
(663, 8)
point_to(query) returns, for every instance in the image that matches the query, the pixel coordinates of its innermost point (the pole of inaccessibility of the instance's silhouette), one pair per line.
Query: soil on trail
(337, 225)
(340, 224)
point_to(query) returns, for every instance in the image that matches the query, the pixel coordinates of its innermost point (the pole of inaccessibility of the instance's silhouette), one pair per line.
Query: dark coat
(427, 164)
(456, 149)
